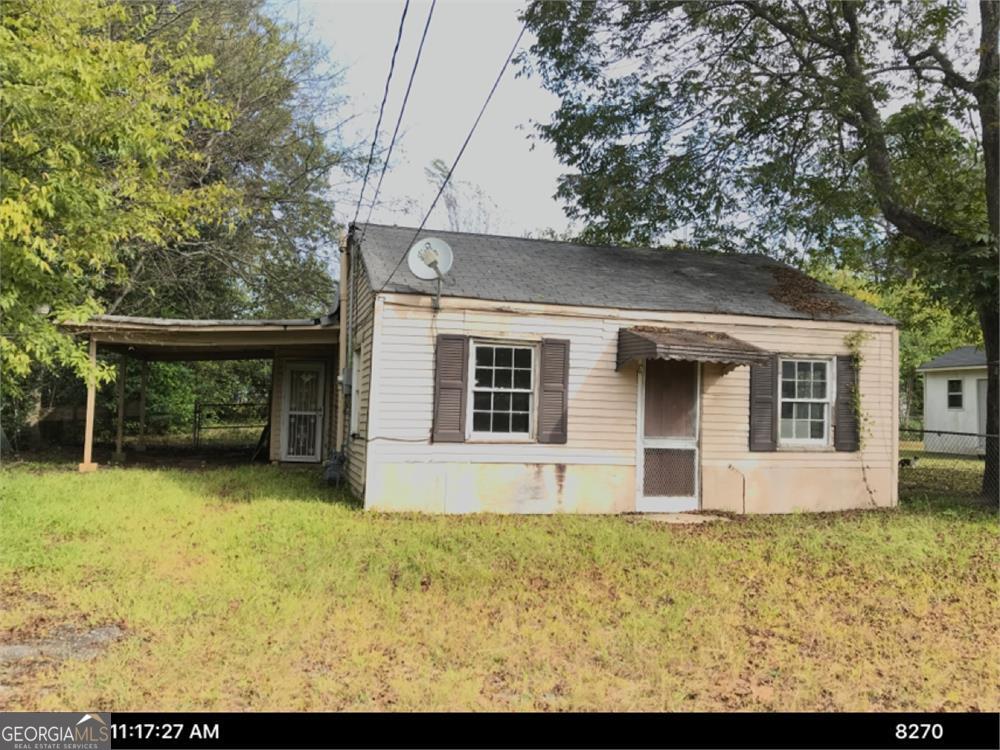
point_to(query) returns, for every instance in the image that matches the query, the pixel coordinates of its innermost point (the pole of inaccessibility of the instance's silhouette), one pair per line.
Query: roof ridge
(579, 243)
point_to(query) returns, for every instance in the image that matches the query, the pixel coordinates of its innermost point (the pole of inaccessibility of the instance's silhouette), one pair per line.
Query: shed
(955, 401)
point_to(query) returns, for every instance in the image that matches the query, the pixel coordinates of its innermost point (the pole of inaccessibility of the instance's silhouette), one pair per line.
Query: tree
(280, 152)
(469, 207)
(91, 119)
(928, 327)
(233, 214)
(803, 126)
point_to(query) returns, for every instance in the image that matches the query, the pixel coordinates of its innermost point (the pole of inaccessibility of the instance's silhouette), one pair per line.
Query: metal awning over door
(647, 342)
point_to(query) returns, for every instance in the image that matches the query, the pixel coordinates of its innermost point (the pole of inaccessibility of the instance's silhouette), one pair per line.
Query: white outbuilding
(955, 401)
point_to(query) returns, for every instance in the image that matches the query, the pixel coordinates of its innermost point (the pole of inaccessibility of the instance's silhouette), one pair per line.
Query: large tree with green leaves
(281, 151)
(92, 115)
(864, 131)
(185, 151)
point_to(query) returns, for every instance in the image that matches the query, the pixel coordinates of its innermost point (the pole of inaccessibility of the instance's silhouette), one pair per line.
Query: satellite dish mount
(430, 259)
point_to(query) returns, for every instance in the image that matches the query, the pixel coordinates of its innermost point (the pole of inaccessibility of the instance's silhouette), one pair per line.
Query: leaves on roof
(803, 293)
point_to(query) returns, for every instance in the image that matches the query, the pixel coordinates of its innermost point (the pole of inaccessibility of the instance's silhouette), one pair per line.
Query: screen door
(302, 436)
(668, 436)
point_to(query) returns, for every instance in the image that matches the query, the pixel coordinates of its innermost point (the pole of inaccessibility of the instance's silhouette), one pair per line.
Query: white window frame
(831, 389)
(473, 435)
(948, 394)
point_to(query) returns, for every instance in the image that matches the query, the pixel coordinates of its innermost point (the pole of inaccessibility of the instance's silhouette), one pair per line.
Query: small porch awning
(646, 342)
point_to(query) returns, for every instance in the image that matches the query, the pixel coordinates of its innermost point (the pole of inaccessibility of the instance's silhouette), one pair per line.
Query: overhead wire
(399, 119)
(458, 157)
(381, 109)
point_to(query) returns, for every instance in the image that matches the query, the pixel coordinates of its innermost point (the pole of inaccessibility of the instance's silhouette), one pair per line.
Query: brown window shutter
(451, 372)
(846, 436)
(764, 406)
(553, 391)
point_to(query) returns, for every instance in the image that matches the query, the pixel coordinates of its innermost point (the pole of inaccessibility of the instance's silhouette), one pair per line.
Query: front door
(302, 436)
(667, 458)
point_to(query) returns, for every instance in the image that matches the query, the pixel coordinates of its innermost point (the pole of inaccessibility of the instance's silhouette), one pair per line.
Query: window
(503, 384)
(804, 394)
(954, 394)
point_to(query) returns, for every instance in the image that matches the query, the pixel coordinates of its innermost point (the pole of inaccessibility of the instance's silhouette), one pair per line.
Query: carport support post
(88, 430)
(143, 379)
(120, 426)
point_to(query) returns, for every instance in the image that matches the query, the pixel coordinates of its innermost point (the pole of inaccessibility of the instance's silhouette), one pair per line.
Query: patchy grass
(260, 588)
(935, 474)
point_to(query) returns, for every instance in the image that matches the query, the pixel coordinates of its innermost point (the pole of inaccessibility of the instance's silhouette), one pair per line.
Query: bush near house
(260, 588)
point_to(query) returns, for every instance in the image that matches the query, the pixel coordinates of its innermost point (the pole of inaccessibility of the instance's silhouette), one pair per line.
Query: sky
(466, 46)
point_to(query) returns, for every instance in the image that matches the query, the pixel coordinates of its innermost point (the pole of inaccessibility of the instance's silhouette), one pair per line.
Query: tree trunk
(989, 318)
(989, 314)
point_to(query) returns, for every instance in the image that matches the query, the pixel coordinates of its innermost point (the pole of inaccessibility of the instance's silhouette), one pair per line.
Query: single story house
(955, 401)
(562, 377)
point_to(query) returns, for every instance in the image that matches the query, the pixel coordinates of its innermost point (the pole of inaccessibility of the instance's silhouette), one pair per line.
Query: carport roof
(189, 339)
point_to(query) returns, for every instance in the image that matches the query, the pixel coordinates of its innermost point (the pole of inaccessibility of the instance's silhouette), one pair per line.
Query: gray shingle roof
(514, 269)
(963, 356)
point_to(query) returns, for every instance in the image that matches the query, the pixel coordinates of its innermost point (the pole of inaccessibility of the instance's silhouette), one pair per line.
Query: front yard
(261, 588)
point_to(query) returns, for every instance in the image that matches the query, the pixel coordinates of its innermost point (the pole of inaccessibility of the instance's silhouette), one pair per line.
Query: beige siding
(362, 319)
(595, 470)
(325, 353)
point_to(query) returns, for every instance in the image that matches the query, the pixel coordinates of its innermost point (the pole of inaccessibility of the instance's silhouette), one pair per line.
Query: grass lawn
(261, 588)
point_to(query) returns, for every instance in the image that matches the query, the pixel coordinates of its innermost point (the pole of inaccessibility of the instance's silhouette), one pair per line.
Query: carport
(303, 374)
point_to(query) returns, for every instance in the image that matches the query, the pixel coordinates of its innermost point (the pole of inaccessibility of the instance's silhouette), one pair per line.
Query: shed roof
(963, 356)
(516, 269)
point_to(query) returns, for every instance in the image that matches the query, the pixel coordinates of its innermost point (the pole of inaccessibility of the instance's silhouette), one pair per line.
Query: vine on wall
(855, 343)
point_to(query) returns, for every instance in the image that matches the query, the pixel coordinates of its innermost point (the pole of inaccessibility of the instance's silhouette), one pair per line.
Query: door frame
(286, 378)
(665, 504)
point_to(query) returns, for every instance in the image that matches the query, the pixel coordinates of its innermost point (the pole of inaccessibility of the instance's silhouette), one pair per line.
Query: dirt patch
(22, 661)
(803, 294)
(65, 642)
(46, 639)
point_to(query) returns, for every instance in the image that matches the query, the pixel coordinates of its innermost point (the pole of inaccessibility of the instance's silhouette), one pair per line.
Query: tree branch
(952, 77)
(869, 125)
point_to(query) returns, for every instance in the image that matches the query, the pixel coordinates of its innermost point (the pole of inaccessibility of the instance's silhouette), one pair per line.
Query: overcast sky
(465, 48)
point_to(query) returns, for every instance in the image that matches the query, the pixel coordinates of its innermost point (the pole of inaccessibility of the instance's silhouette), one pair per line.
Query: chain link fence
(941, 462)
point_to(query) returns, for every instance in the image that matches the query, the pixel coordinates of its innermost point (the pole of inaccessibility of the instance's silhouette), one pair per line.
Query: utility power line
(381, 109)
(461, 151)
(399, 120)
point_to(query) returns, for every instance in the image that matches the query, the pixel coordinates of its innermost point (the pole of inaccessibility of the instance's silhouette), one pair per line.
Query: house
(560, 377)
(955, 401)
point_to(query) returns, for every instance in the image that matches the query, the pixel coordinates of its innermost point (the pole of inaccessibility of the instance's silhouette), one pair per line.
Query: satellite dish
(430, 258)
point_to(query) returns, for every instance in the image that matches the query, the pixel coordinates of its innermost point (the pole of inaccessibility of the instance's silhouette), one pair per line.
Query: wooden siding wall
(405, 470)
(362, 319)
(326, 353)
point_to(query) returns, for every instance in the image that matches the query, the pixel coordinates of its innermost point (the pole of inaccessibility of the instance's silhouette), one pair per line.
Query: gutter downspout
(346, 337)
